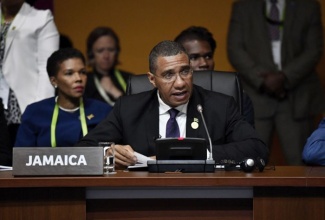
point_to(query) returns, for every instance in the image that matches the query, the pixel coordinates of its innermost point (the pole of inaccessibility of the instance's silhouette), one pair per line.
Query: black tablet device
(181, 149)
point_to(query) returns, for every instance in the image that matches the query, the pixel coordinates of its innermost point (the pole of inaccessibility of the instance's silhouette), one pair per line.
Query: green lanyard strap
(120, 79)
(55, 120)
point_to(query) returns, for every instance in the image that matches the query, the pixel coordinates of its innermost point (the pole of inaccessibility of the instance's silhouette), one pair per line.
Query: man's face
(177, 92)
(201, 55)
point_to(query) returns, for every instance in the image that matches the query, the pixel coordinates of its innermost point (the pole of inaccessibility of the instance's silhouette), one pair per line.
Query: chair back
(218, 81)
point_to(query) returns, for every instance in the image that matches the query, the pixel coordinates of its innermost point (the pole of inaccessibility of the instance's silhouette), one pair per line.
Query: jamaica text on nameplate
(47, 161)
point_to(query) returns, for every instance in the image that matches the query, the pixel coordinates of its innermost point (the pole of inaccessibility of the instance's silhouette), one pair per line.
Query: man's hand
(124, 156)
(274, 83)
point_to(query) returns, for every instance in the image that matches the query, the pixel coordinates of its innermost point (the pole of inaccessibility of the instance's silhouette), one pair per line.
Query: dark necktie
(274, 16)
(172, 129)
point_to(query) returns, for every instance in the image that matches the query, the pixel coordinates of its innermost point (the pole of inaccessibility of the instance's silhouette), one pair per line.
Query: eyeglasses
(170, 76)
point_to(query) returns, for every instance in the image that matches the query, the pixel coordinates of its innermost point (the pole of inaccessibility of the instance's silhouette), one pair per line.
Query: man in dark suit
(137, 120)
(275, 46)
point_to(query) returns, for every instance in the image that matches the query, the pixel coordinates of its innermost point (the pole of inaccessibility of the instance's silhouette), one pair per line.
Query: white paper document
(141, 160)
(4, 168)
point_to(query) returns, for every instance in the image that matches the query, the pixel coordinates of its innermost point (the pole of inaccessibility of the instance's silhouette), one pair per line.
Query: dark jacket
(135, 121)
(92, 92)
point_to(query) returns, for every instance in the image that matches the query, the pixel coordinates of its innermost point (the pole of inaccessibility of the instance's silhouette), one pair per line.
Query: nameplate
(48, 161)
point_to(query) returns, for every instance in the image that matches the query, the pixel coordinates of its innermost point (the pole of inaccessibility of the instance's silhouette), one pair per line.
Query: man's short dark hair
(164, 49)
(197, 33)
(59, 56)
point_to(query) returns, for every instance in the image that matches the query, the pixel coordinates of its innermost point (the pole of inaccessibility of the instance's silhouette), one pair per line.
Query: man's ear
(151, 78)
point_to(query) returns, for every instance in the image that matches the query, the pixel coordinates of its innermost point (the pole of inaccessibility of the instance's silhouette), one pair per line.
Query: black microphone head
(199, 108)
(247, 165)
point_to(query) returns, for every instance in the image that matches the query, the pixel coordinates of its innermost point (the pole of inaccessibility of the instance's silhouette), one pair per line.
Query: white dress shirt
(276, 45)
(164, 117)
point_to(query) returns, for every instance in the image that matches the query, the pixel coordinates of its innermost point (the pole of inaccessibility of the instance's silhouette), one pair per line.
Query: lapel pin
(195, 123)
(90, 116)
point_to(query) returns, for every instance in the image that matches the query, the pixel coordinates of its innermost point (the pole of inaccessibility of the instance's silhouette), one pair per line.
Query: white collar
(65, 109)
(163, 107)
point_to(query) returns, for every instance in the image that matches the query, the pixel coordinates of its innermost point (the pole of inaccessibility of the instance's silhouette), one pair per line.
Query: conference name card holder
(58, 161)
(184, 155)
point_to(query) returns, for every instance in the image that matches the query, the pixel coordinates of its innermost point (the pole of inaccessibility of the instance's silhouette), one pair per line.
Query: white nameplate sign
(48, 161)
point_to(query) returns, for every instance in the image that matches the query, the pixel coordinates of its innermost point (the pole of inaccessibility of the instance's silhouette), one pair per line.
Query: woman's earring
(55, 86)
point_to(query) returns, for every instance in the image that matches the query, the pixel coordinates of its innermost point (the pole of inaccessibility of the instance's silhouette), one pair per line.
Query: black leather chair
(219, 81)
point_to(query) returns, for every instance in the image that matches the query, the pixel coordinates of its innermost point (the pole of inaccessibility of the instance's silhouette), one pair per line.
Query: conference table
(280, 192)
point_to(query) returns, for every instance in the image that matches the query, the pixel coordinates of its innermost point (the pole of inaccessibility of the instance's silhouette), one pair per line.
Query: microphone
(200, 109)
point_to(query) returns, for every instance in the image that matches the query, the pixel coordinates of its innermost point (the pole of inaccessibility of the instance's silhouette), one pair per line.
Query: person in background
(106, 82)
(137, 120)
(28, 37)
(64, 119)
(5, 148)
(314, 150)
(200, 45)
(275, 45)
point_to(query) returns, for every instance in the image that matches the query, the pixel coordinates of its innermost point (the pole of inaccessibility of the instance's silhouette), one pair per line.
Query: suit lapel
(194, 123)
(258, 11)
(152, 123)
(16, 25)
(290, 13)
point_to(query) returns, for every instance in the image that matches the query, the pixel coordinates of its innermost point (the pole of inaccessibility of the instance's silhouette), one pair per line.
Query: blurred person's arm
(47, 43)
(314, 150)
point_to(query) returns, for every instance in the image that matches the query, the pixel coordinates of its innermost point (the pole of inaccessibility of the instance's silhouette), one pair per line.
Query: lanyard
(55, 119)
(102, 91)
(120, 79)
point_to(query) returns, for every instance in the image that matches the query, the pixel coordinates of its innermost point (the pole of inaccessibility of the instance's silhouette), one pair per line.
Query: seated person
(314, 150)
(137, 120)
(66, 118)
(5, 147)
(106, 82)
(200, 46)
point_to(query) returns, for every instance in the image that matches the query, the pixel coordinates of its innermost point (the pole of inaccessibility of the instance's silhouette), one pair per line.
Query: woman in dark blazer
(105, 82)
(64, 119)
